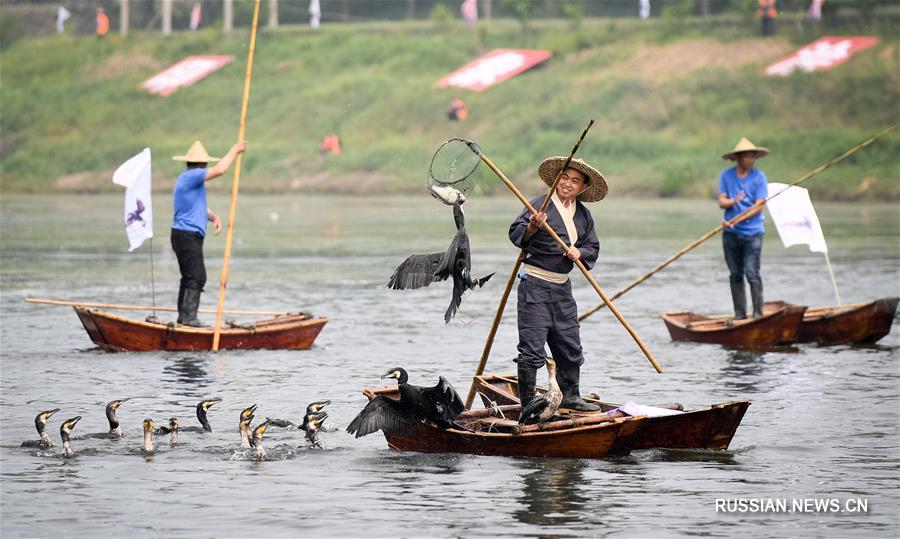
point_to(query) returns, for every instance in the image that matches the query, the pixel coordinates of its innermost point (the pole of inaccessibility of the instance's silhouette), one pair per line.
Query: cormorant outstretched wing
(445, 399)
(533, 409)
(280, 423)
(385, 414)
(416, 271)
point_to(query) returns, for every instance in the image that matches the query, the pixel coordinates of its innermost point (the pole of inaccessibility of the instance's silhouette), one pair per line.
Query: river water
(824, 423)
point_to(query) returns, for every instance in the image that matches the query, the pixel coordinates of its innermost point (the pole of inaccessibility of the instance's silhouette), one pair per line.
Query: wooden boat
(846, 324)
(114, 333)
(775, 327)
(495, 431)
(712, 427)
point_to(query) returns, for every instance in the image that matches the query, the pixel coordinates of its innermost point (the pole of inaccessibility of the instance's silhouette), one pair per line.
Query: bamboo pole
(223, 281)
(489, 343)
(739, 218)
(145, 307)
(584, 270)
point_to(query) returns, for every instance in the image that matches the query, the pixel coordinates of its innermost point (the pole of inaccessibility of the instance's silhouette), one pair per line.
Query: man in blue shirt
(741, 188)
(189, 224)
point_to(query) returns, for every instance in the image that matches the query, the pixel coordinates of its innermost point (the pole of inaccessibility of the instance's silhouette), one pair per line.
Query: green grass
(71, 109)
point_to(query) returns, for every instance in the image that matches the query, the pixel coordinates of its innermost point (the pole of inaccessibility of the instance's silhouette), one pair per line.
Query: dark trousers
(742, 255)
(547, 315)
(188, 247)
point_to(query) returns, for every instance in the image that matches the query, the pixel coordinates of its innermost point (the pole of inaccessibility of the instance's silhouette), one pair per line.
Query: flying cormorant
(421, 270)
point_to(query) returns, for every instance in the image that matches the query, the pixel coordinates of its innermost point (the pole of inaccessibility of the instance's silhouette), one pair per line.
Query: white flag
(62, 15)
(134, 175)
(795, 218)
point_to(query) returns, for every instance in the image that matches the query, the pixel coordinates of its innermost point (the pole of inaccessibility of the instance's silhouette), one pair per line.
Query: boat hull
(861, 323)
(774, 328)
(706, 428)
(115, 333)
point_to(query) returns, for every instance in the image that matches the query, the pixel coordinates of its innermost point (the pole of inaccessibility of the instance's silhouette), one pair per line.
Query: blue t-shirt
(754, 186)
(190, 201)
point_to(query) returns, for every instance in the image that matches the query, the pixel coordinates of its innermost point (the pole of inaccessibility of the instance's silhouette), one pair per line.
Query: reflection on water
(553, 492)
(789, 443)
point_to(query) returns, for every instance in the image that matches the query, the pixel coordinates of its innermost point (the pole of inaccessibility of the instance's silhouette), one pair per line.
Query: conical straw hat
(196, 154)
(744, 145)
(597, 187)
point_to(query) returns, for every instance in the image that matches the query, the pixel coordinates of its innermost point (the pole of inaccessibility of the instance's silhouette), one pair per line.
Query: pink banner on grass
(185, 73)
(821, 55)
(492, 68)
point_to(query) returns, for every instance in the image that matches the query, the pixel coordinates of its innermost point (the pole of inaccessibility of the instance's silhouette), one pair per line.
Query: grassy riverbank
(666, 108)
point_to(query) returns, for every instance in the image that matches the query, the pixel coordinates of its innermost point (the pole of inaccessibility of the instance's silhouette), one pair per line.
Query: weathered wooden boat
(775, 327)
(495, 431)
(114, 333)
(858, 323)
(712, 427)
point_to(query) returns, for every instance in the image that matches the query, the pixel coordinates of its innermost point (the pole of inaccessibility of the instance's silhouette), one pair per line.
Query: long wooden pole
(489, 343)
(223, 281)
(584, 270)
(743, 216)
(145, 307)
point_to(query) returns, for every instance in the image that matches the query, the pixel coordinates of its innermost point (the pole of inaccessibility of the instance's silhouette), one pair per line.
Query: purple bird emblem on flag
(136, 215)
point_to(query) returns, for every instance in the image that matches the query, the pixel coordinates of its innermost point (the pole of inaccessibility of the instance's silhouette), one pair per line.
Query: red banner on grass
(821, 55)
(185, 73)
(492, 68)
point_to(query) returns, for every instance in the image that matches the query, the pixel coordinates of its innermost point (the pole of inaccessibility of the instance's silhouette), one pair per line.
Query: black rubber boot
(756, 295)
(190, 305)
(180, 304)
(527, 380)
(739, 298)
(568, 377)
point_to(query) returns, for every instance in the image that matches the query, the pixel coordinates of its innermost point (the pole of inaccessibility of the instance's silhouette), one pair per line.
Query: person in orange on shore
(767, 13)
(331, 143)
(102, 22)
(457, 111)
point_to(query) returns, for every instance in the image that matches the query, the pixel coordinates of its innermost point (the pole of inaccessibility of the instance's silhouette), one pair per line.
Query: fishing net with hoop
(453, 170)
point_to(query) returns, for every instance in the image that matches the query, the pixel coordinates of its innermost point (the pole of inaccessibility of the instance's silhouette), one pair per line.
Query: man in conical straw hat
(740, 187)
(547, 314)
(189, 223)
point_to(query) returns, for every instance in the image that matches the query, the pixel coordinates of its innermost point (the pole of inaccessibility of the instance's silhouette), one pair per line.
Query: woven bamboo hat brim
(597, 187)
(744, 145)
(196, 154)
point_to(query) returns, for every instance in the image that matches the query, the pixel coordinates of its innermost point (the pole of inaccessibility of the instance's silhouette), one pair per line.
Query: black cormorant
(115, 430)
(202, 408)
(244, 425)
(440, 404)
(64, 431)
(543, 407)
(311, 424)
(256, 439)
(421, 270)
(148, 436)
(172, 429)
(40, 423)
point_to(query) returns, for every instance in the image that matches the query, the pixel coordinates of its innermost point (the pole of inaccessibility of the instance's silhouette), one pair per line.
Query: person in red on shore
(767, 13)
(330, 143)
(457, 111)
(102, 22)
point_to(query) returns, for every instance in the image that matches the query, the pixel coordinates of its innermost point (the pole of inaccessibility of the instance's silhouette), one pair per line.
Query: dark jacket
(541, 249)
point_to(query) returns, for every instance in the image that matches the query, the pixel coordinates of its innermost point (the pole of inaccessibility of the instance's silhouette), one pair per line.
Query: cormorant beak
(148, 424)
(247, 413)
(173, 423)
(70, 423)
(551, 363)
(46, 415)
(115, 404)
(210, 402)
(261, 429)
(391, 374)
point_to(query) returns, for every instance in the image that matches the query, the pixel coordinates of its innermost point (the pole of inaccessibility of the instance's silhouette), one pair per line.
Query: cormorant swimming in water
(256, 439)
(244, 425)
(543, 407)
(40, 423)
(115, 430)
(440, 404)
(202, 407)
(64, 431)
(421, 270)
(173, 428)
(311, 424)
(148, 436)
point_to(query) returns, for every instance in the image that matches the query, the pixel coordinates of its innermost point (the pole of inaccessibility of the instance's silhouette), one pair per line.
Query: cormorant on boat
(543, 407)
(173, 428)
(256, 439)
(202, 408)
(40, 423)
(148, 436)
(421, 270)
(64, 431)
(440, 404)
(244, 425)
